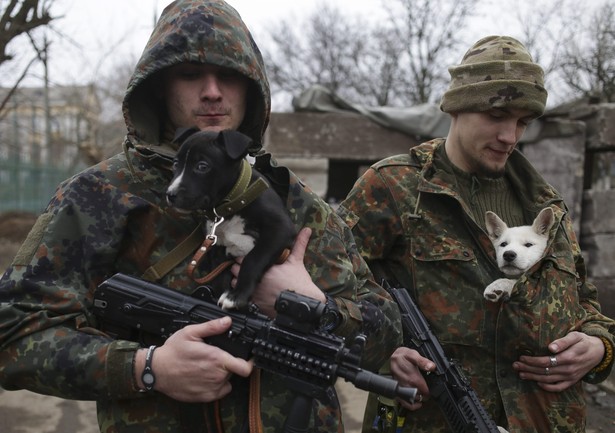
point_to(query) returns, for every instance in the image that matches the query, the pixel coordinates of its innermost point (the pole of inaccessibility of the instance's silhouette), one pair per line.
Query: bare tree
(430, 31)
(324, 50)
(546, 30)
(19, 17)
(588, 60)
(399, 60)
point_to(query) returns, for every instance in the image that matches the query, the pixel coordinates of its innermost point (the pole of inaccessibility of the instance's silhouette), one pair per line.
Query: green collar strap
(242, 194)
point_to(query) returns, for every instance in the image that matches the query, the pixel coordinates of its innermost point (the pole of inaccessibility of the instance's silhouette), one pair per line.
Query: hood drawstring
(415, 215)
(131, 167)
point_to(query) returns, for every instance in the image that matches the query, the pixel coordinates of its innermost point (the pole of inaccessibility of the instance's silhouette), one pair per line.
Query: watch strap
(147, 377)
(331, 316)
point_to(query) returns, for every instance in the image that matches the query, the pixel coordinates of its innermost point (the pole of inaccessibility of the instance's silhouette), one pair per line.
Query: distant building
(44, 138)
(35, 134)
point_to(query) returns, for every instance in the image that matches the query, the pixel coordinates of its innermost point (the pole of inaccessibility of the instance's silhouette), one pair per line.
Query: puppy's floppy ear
(182, 133)
(235, 143)
(495, 226)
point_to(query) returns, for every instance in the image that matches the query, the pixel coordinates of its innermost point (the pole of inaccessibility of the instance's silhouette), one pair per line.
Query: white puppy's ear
(543, 222)
(495, 226)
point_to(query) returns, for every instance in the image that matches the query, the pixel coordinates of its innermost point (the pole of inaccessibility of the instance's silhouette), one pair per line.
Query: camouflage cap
(496, 72)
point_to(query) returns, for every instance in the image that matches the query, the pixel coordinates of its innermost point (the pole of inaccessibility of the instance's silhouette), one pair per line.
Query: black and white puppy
(205, 170)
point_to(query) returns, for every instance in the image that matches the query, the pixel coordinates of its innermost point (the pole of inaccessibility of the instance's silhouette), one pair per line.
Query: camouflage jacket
(407, 218)
(113, 217)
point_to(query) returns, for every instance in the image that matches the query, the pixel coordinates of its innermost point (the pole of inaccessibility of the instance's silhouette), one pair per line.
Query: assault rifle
(447, 384)
(291, 345)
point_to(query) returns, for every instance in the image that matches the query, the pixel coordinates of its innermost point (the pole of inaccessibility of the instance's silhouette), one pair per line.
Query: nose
(171, 197)
(210, 87)
(508, 132)
(509, 256)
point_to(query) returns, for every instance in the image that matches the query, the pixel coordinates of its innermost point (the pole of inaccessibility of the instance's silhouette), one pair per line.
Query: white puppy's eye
(529, 245)
(503, 244)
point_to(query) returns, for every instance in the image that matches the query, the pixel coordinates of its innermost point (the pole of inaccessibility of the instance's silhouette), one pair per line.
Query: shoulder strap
(175, 256)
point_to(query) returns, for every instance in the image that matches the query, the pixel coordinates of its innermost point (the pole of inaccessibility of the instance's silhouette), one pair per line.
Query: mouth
(181, 210)
(206, 115)
(500, 153)
(511, 270)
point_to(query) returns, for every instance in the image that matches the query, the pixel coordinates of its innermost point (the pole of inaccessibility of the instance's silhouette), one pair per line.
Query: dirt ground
(26, 412)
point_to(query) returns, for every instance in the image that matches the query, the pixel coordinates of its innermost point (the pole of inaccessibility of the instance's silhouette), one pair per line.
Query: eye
(175, 164)
(186, 71)
(503, 244)
(496, 115)
(529, 245)
(226, 74)
(202, 167)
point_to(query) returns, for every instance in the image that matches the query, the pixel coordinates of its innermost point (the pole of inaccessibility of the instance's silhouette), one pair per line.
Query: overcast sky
(92, 37)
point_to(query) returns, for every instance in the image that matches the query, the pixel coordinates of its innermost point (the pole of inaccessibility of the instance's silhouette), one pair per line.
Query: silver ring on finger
(546, 371)
(553, 361)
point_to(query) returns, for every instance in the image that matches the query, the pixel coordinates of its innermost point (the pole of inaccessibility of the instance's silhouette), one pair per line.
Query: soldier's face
(206, 96)
(481, 143)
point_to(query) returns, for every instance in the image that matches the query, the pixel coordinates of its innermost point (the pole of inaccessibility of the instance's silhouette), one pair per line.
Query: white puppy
(517, 249)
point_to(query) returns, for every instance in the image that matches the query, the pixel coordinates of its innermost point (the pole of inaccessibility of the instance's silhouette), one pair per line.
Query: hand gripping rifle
(291, 345)
(447, 384)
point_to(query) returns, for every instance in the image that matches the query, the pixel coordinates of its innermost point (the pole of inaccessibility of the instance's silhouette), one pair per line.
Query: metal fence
(28, 187)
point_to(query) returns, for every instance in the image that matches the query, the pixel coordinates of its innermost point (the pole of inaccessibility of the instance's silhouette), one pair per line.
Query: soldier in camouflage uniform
(113, 217)
(419, 219)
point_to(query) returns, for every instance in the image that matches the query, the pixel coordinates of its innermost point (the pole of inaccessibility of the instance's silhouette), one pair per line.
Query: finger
(238, 366)
(538, 363)
(414, 357)
(301, 242)
(410, 406)
(556, 386)
(235, 267)
(565, 342)
(545, 375)
(207, 329)
(417, 404)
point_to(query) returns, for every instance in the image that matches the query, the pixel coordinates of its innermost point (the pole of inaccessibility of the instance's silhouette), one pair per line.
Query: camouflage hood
(196, 31)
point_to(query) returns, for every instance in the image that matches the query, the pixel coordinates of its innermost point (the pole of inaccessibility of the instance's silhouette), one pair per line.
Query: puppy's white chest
(231, 234)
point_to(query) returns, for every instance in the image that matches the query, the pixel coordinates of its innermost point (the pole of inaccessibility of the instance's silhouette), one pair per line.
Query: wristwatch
(331, 316)
(147, 377)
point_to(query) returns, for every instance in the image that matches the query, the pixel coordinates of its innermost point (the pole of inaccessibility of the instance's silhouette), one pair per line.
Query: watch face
(148, 378)
(328, 321)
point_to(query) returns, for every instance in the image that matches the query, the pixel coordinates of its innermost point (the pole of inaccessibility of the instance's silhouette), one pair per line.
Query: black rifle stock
(448, 386)
(289, 345)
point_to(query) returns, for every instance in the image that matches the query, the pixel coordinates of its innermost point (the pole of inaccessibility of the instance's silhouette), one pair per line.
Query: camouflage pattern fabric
(406, 216)
(496, 72)
(113, 217)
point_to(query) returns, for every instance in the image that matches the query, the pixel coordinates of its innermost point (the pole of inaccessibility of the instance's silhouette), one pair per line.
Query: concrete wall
(562, 147)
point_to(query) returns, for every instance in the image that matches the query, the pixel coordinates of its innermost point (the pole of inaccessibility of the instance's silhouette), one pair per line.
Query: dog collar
(242, 193)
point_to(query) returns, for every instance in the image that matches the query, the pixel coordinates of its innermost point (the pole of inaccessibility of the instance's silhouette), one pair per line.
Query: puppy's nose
(509, 256)
(171, 196)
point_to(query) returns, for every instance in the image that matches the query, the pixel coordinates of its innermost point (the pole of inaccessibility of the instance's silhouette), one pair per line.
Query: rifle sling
(242, 194)
(254, 411)
(175, 256)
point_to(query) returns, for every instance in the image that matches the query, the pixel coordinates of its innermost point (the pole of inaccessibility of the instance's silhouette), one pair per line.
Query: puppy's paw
(499, 290)
(229, 301)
